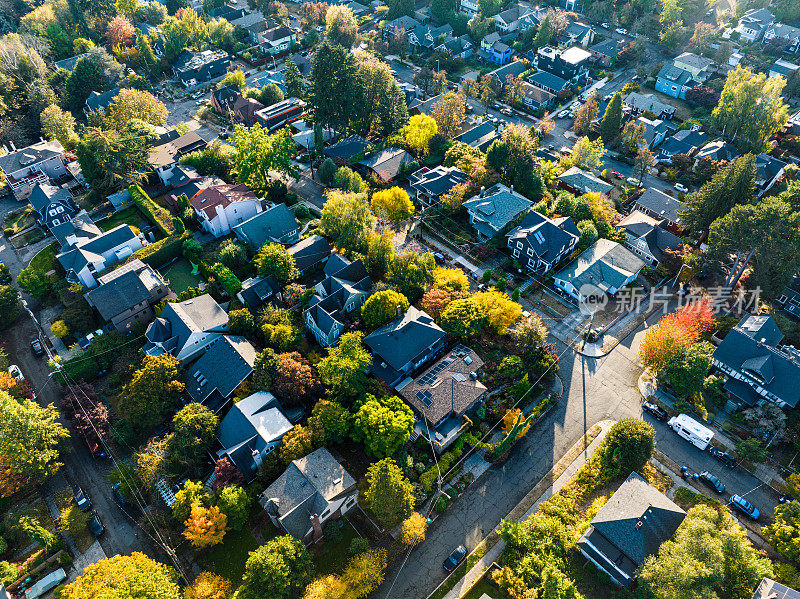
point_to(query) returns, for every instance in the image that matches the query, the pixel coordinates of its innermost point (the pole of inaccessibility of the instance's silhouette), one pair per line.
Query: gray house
(659, 205)
(629, 528)
(769, 589)
(310, 252)
(647, 237)
(430, 185)
(275, 225)
(256, 291)
(84, 257)
(605, 265)
(226, 363)
(493, 209)
(540, 243)
(53, 205)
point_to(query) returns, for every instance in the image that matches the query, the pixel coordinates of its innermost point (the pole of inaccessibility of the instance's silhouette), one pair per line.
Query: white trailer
(695, 433)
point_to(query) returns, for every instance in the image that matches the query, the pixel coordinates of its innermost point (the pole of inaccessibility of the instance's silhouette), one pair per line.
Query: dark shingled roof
(271, 225)
(227, 362)
(310, 251)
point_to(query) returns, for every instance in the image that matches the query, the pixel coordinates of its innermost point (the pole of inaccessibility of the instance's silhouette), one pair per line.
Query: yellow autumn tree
(420, 130)
(327, 587)
(393, 203)
(510, 419)
(414, 528)
(206, 526)
(501, 311)
(363, 574)
(209, 586)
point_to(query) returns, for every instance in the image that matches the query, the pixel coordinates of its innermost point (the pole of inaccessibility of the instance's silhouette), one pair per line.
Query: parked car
(634, 181)
(81, 500)
(526, 314)
(455, 558)
(710, 480)
(36, 347)
(439, 258)
(786, 499)
(621, 31)
(562, 114)
(656, 411)
(15, 371)
(604, 25)
(452, 87)
(506, 111)
(681, 187)
(617, 175)
(726, 458)
(96, 525)
(748, 509)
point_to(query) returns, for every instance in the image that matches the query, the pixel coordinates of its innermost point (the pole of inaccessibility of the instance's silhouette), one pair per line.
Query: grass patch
(130, 216)
(228, 558)
(20, 219)
(179, 276)
(688, 499)
(32, 236)
(333, 556)
(43, 261)
(484, 587)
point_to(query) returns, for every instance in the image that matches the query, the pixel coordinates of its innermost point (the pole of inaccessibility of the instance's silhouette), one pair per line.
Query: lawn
(228, 558)
(333, 555)
(484, 587)
(20, 219)
(43, 261)
(179, 276)
(130, 216)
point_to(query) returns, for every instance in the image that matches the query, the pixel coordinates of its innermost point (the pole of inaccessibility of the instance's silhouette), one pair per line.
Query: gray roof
(584, 182)
(760, 15)
(548, 80)
(45, 194)
(480, 136)
(271, 225)
(439, 180)
(605, 264)
(769, 589)
(33, 154)
(718, 150)
(497, 206)
(307, 486)
(68, 64)
(101, 101)
(659, 203)
(787, 32)
(179, 320)
(404, 22)
(768, 167)
(761, 328)
(649, 229)
(256, 291)
(310, 251)
(77, 257)
(609, 47)
(515, 68)
(648, 102)
(81, 225)
(674, 74)
(555, 235)
(694, 61)
(226, 362)
(347, 147)
(123, 288)
(633, 524)
(387, 163)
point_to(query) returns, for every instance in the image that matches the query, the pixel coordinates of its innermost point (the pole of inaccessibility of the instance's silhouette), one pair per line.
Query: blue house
(674, 81)
(495, 50)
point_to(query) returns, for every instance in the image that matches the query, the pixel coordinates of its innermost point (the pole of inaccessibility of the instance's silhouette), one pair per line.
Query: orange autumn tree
(674, 333)
(510, 420)
(205, 526)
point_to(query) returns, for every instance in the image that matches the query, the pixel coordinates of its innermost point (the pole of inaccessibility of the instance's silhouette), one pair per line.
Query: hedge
(229, 281)
(159, 253)
(160, 217)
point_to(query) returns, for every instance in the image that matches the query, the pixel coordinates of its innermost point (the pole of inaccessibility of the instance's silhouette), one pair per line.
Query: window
(530, 252)
(519, 244)
(539, 237)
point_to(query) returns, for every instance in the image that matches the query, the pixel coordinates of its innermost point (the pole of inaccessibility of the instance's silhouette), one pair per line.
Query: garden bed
(27, 238)
(19, 220)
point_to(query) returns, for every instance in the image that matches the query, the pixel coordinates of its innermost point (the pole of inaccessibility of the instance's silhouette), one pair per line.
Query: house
(790, 297)
(165, 157)
(647, 237)
(571, 64)
(513, 69)
(717, 150)
(430, 185)
(784, 68)
(605, 52)
(518, 17)
(310, 492)
(53, 205)
(540, 242)
(655, 130)
(227, 11)
(481, 136)
(387, 164)
(347, 148)
(227, 361)
(276, 224)
(404, 345)
(83, 257)
(550, 83)
(219, 208)
(223, 99)
(126, 296)
(754, 23)
(277, 39)
(785, 35)
(395, 26)
(577, 34)
(245, 109)
(184, 329)
(493, 209)
(685, 141)
(254, 24)
(629, 528)
(698, 66)
(756, 366)
(310, 252)
(605, 265)
(100, 101)
(186, 181)
(265, 78)
(459, 47)
(674, 81)
(69, 64)
(424, 38)
(345, 287)
(76, 231)
(638, 103)
(42, 162)
(769, 589)
(768, 171)
(252, 428)
(423, 106)
(284, 112)
(536, 97)
(194, 68)
(257, 291)
(495, 50)
(470, 7)
(661, 206)
(580, 182)
(443, 395)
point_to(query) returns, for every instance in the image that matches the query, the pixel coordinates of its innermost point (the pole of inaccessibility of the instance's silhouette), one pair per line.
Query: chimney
(483, 191)
(316, 528)
(511, 187)
(257, 459)
(399, 311)
(13, 147)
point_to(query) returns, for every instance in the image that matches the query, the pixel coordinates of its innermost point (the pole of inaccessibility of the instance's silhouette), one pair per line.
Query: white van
(691, 430)
(50, 581)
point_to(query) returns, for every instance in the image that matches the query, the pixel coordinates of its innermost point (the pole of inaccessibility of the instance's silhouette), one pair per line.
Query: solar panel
(426, 397)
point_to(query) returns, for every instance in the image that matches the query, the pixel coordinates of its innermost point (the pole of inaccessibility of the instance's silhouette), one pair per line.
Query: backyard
(333, 554)
(130, 216)
(179, 275)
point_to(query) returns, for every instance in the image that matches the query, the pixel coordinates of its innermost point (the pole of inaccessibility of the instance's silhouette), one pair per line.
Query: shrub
(628, 446)
(229, 281)
(155, 213)
(159, 253)
(358, 545)
(60, 329)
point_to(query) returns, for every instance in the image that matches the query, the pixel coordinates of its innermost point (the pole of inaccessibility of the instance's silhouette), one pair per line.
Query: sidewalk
(471, 577)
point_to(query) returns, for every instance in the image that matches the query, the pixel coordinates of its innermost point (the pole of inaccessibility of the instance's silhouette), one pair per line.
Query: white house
(754, 23)
(38, 163)
(219, 208)
(605, 265)
(86, 255)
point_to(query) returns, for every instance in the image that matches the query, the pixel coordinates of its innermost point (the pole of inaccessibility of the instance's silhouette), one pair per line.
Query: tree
(86, 77)
(342, 370)
(136, 104)
(450, 279)
(751, 107)
(730, 186)
(381, 307)
(216, 159)
(30, 438)
(632, 138)
(258, 154)
(72, 521)
(329, 422)
(347, 179)
(346, 219)
(644, 161)
(363, 574)
(326, 171)
(500, 311)
(628, 446)
(9, 305)
(292, 80)
(514, 157)
(192, 493)
(280, 568)
(273, 260)
(120, 32)
(449, 113)
(784, 532)
(226, 475)
(209, 586)
(59, 124)
(708, 556)
(388, 493)
(687, 370)
(411, 273)
(393, 203)
(383, 424)
(413, 529)
(112, 160)
(266, 367)
(674, 333)
(420, 130)
(295, 382)
(586, 154)
(116, 577)
(194, 427)
(205, 527)
(529, 333)
(612, 119)
(298, 443)
(337, 90)
(341, 26)
(234, 79)
(463, 318)
(151, 461)
(153, 392)
(585, 116)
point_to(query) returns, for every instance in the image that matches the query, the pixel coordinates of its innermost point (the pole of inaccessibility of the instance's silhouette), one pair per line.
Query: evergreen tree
(337, 93)
(147, 57)
(294, 84)
(612, 119)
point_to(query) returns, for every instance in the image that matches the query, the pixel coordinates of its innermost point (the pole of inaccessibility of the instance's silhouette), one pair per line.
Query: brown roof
(168, 153)
(206, 200)
(446, 386)
(536, 94)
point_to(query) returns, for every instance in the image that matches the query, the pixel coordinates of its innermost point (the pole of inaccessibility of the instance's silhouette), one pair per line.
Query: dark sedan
(656, 411)
(726, 458)
(455, 558)
(712, 481)
(95, 525)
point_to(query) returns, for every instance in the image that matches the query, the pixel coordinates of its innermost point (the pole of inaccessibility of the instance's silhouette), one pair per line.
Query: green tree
(329, 422)
(293, 81)
(709, 556)
(341, 26)
(463, 318)
(612, 119)
(730, 186)
(192, 493)
(281, 568)
(72, 521)
(266, 367)
(586, 154)
(388, 493)
(59, 124)
(273, 259)
(152, 394)
(687, 371)
(381, 307)
(514, 157)
(393, 203)
(343, 369)
(111, 160)
(326, 171)
(241, 322)
(234, 502)
(641, 166)
(411, 273)
(258, 154)
(449, 113)
(124, 576)
(589, 234)
(86, 77)
(337, 90)
(136, 104)
(383, 424)
(193, 428)
(628, 446)
(347, 219)
(751, 107)
(420, 130)
(585, 115)
(9, 305)
(784, 532)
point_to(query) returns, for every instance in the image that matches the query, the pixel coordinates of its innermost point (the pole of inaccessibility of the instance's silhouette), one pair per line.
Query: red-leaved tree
(674, 333)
